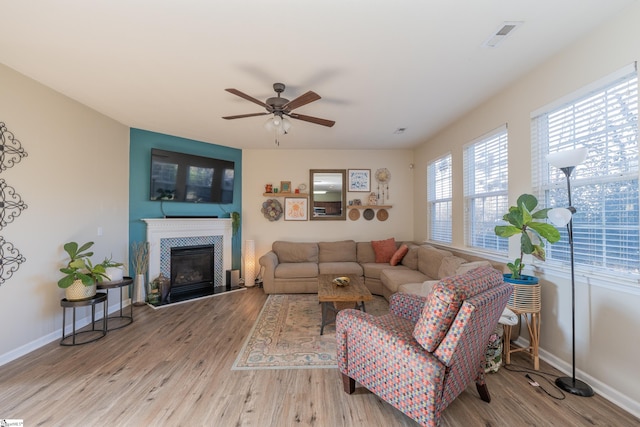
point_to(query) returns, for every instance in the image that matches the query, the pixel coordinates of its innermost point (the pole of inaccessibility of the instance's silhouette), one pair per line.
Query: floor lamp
(566, 161)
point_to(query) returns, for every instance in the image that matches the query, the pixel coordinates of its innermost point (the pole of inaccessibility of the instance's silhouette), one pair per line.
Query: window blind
(439, 199)
(604, 188)
(486, 177)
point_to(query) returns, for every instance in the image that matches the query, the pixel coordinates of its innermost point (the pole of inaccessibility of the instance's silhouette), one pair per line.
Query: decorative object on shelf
(249, 263)
(11, 205)
(10, 260)
(81, 275)
(285, 186)
(272, 209)
(359, 180)
(567, 161)
(268, 188)
(302, 187)
(524, 220)
(368, 214)
(373, 199)
(296, 209)
(357, 202)
(382, 215)
(383, 176)
(341, 281)
(11, 151)
(140, 264)
(354, 214)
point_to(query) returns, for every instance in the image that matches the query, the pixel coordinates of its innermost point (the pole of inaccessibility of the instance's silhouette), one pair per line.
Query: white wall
(260, 167)
(74, 180)
(607, 321)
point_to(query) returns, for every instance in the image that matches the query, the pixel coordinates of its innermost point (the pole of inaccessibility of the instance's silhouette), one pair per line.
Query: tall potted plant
(523, 219)
(81, 276)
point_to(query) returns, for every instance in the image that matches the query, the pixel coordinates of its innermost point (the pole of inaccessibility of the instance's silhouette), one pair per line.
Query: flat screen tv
(184, 177)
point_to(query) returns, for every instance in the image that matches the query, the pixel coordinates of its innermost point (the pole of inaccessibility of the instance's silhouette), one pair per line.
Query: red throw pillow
(384, 249)
(399, 254)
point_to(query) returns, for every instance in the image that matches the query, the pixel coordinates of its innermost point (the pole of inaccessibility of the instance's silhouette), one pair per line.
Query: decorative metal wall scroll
(11, 260)
(11, 151)
(11, 204)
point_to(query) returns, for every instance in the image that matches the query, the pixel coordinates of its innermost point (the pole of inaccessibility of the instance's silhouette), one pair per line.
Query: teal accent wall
(140, 144)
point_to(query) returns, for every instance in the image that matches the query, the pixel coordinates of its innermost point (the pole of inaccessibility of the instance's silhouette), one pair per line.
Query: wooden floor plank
(172, 366)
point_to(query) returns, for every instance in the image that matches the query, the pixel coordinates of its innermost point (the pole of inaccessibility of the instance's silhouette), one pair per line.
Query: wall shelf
(289, 194)
(370, 207)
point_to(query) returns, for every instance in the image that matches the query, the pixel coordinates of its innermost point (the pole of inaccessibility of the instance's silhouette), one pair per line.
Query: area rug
(286, 334)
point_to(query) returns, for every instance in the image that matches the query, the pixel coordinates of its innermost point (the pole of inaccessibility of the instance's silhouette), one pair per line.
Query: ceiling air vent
(505, 30)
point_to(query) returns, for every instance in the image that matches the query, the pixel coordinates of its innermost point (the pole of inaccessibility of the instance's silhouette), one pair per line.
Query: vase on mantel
(139, 290)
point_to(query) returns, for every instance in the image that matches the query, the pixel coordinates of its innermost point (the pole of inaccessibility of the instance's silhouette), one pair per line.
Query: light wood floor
(172, 367)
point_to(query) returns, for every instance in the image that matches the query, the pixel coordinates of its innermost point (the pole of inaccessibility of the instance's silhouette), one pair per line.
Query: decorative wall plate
(368, 214)
(354, 214)
(382, 215)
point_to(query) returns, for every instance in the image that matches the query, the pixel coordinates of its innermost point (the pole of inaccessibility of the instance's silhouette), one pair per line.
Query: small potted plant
(81, 276)
(113, 270)
(523, 219)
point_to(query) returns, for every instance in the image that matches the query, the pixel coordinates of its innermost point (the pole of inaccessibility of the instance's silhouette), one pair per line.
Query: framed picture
(285, 186)
(296, 208)
(359, 180)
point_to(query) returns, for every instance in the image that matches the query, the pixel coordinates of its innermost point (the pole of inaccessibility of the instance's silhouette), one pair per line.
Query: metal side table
(121, 320)
(93, 334)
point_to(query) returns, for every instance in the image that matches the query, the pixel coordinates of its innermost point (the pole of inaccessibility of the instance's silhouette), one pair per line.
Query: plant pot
(78, 291)
(114, 274)
(523, 280)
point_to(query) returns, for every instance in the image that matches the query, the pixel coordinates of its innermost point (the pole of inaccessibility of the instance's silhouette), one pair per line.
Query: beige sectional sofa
(293, 267)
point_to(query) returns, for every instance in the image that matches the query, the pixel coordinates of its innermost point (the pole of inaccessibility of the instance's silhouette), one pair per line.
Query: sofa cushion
(340, 268)
(429, 260)
(468, 266)
(399, 254)
(384, 249)
(372, 270)
(393, 277)
(423, 289)
(410, 260)
(337, 251)
(294, 270)
(449, 265)
(365, 253)
(445, 300)
(295, 251)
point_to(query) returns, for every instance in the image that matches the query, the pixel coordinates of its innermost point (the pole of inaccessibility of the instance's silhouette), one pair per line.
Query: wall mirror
(328, 195)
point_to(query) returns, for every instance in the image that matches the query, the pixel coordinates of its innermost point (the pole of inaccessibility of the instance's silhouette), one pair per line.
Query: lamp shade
(567, 158)
(559, 217)
(249, 263)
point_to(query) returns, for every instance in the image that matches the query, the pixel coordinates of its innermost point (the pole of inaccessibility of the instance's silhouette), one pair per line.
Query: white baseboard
(57, 334)
(604, 390)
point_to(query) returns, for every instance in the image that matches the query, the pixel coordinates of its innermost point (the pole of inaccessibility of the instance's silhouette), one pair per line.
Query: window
(604, 189)
(486, 190)
(439, 189)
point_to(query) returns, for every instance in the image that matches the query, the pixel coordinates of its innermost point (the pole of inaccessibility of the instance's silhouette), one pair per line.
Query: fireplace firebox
(192, 273)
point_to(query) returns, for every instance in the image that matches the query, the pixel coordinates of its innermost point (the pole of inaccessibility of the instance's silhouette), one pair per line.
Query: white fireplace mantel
(168, 228)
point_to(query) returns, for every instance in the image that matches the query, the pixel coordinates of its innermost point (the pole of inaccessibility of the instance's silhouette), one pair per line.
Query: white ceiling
(164, 65)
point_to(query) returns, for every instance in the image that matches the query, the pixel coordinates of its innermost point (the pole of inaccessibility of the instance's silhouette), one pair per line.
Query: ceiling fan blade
(247, 97)
(316, 120)
(241, 116)
(303, 99)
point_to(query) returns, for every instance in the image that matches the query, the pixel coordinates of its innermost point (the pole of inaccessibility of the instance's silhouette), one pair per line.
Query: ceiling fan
(280, 107)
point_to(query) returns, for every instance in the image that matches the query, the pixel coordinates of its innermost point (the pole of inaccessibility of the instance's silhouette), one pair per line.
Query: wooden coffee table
(335, 298)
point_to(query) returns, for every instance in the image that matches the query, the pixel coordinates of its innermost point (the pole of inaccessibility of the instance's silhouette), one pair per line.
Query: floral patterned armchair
(422, 354)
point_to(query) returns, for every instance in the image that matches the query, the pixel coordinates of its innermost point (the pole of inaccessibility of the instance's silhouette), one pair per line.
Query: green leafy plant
(80, 267)
(523, 219)
(109, 262)
(235, 222)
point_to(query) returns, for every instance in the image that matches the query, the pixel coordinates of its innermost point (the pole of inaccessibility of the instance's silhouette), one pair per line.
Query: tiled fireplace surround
(165, 233)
